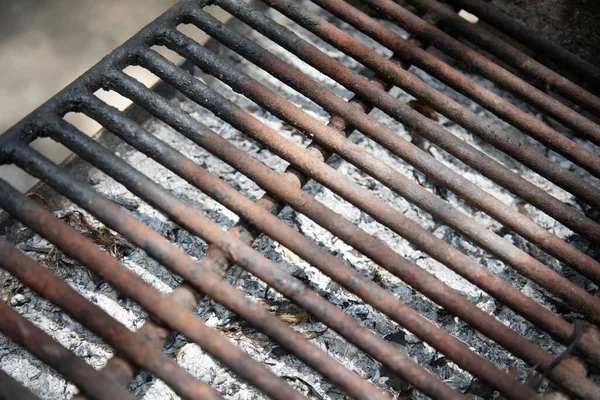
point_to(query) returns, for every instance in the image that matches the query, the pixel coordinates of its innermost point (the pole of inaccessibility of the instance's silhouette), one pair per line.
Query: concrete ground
(46, 44)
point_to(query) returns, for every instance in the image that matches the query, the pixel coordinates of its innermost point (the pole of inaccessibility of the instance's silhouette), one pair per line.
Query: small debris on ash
(423, 109)
(19, 300)
(427, 111)
(309, 389)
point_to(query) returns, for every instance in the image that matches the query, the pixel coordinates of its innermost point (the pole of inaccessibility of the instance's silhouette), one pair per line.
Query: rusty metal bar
(439, 208)
(358, 284)
(121, 339)
(453, 78)
(226, 195)
(258, 217)
(120, 369)
(410, 153)
(40, 344)
(440, 102)
(11, 389)
(474, 272)
(461, 52)
(132, 286)
(533, 40)
(367, 244)
(273, 102)
(158, 151)
(208, 281)
(226, 249)
(507, 53)
(218, 146)
(194, 174)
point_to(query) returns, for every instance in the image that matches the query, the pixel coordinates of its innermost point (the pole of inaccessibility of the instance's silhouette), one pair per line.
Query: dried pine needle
(237, 333)
(40, 198)
(314, 334)
(115, 244)
(294, 318)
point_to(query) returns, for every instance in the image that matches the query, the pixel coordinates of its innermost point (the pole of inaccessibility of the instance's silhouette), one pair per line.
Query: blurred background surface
(46, 44)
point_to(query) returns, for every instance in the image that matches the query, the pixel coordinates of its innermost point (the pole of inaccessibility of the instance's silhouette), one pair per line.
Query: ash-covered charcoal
(48, 384)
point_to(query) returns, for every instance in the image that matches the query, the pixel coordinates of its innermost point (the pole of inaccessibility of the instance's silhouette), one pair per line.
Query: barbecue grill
(436, 189)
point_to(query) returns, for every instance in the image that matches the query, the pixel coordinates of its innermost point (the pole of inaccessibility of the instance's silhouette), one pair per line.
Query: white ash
(48, 384)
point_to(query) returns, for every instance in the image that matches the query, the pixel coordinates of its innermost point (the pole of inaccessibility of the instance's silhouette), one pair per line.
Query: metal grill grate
(142, 350)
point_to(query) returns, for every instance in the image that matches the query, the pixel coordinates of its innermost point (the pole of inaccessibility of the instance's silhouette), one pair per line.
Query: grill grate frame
(78, 97)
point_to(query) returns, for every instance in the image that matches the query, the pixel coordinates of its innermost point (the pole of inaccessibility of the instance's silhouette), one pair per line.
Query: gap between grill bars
(435, 153)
